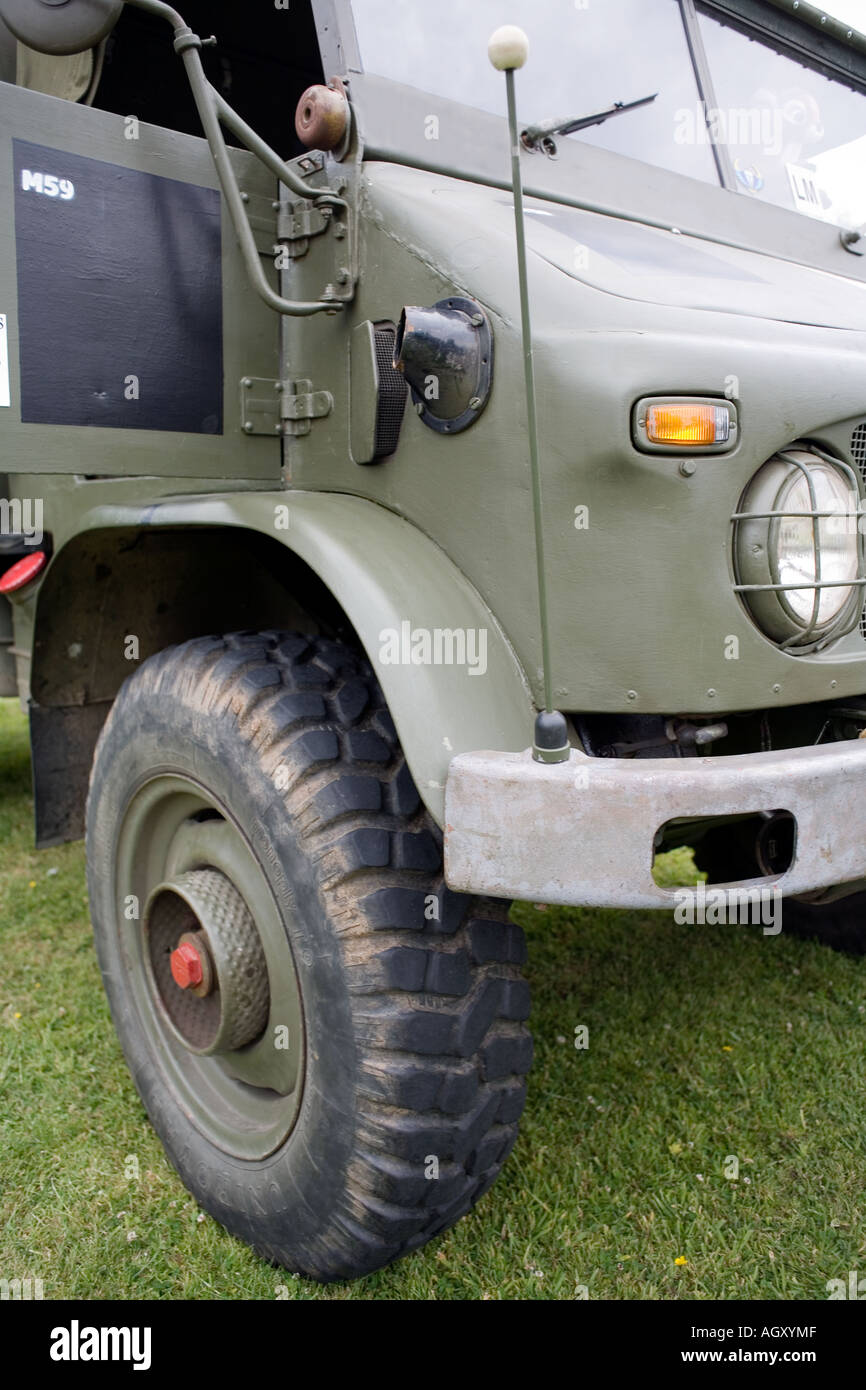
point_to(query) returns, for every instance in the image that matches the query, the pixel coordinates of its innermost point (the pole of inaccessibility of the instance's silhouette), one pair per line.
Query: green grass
(704, 1042)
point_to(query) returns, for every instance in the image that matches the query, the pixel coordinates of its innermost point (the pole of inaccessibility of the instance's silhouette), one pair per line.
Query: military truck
(325, 671)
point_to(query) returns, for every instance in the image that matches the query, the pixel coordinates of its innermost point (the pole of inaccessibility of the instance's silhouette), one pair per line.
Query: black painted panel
(120, 279)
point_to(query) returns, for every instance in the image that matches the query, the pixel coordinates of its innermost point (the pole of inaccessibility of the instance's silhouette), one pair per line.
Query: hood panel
(638, 262)
(641, 597)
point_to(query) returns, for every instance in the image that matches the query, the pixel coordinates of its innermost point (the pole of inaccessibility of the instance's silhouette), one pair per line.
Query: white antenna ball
(508, 48)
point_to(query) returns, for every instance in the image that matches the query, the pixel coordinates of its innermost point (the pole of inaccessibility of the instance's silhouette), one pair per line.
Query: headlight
(798, 549)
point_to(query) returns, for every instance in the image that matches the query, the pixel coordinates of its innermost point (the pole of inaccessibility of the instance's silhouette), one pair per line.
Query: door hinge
(263, 217)
(281, 407)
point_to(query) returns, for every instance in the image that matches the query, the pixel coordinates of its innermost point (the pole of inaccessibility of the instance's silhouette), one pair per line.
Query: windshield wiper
(541, 135)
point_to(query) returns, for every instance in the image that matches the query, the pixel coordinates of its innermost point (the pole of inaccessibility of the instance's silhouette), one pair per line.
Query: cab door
(130, 322)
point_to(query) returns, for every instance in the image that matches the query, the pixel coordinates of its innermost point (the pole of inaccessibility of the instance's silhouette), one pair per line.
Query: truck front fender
(451, 678)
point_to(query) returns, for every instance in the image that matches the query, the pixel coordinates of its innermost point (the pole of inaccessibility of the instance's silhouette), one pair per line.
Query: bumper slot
(736, 848)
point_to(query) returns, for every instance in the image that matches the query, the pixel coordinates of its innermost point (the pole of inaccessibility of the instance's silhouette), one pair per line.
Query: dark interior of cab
(263, 61)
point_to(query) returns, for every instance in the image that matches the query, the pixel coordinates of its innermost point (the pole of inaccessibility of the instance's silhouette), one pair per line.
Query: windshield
(578, 64)
(763, 124)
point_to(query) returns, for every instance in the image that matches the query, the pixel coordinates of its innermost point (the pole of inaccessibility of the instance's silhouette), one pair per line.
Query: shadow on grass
(14, 755)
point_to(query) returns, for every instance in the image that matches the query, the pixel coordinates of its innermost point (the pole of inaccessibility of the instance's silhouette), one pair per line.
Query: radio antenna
(508, 50)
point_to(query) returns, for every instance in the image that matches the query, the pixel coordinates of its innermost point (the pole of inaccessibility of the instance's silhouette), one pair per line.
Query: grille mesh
(392, 393)
(858, 455)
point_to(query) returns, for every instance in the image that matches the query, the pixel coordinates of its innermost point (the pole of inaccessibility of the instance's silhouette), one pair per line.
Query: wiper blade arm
(535, 135)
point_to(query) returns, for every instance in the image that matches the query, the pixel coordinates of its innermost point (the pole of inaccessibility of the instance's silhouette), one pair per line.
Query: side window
(263, 60)
(261, 64)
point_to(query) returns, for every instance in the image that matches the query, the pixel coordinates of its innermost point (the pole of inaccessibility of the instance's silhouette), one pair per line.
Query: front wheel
(329, 1042)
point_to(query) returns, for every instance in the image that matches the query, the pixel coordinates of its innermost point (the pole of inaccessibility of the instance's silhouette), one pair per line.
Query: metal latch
(298, 221)
(281, 407)
(300, 404)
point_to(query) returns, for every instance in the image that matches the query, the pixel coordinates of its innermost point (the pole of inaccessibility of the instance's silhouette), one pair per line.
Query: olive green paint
(439, 535)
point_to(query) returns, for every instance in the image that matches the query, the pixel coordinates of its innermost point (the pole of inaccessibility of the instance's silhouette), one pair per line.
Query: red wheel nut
(186, 966)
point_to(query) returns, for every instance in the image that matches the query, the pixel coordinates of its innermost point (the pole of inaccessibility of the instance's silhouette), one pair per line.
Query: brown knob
(322, 118)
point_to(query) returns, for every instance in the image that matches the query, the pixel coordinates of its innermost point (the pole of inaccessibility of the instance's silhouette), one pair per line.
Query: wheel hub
(175, 841)
(206, 961)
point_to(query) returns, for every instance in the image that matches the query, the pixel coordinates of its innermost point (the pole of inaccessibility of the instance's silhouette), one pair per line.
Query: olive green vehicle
(334, 637)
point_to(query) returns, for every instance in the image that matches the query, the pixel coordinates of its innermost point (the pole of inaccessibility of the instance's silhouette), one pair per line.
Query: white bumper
(582, 832)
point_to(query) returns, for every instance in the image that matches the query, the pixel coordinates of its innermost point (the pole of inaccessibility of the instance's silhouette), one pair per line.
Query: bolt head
(186, 966)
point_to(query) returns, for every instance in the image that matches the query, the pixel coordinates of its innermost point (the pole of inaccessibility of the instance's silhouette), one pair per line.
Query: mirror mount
(60, 27)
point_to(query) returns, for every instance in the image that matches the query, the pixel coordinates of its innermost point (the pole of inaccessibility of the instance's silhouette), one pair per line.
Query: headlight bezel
(757, 524)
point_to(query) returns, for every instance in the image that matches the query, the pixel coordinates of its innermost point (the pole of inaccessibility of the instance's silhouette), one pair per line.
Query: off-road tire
(413, 1003)
(840, 924)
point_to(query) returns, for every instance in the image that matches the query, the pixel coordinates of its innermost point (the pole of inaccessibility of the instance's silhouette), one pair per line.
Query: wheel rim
(185, 869)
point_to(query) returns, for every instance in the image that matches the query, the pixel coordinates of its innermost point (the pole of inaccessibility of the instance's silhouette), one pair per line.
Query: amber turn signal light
(669, 424)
